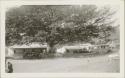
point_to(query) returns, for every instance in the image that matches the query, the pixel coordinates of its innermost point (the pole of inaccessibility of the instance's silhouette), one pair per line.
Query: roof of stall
(32, 45)
(78, 46)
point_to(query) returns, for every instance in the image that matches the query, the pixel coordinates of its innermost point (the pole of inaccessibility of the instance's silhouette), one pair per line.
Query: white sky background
(116, 8)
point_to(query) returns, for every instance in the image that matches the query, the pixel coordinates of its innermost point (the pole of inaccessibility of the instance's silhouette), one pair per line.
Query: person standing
(10, 67)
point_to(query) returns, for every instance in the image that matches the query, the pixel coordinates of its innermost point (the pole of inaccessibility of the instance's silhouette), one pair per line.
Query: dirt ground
(98, 64)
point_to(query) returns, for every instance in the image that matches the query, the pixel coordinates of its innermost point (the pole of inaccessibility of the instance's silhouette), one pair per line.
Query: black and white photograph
(62, 38)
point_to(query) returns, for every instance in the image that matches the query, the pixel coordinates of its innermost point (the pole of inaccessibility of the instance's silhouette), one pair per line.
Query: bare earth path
(99, 64)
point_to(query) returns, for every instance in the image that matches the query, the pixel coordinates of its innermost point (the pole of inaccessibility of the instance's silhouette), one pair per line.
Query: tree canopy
(57, 24)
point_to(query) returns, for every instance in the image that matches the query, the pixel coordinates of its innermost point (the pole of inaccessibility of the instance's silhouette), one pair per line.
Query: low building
(81, 48)
(26, 51)
(84, 48)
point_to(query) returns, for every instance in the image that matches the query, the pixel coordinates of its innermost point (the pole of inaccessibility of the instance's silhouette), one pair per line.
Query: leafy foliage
(56, 24)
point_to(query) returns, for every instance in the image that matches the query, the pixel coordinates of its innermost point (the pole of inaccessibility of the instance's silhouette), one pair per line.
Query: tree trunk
(51, 49)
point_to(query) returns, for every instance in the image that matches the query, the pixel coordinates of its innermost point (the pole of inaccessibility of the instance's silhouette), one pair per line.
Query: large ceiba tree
(57, 24)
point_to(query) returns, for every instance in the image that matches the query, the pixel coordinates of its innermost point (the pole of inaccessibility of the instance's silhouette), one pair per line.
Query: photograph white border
(6, 3)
